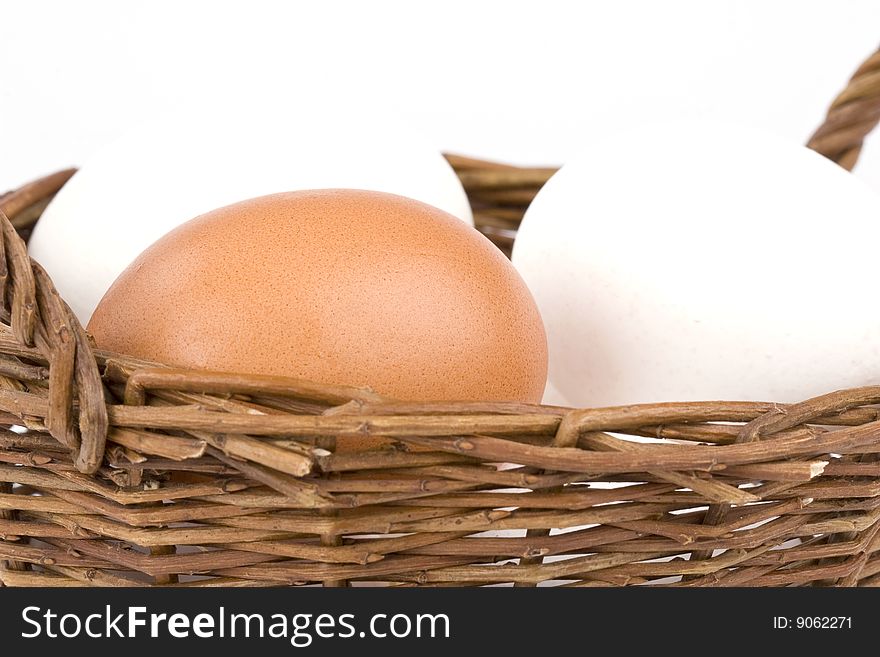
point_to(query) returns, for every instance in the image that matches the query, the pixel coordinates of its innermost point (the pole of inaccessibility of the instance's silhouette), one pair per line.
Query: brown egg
(335, 286)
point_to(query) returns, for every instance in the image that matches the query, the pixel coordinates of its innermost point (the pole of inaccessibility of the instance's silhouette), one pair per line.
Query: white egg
(703, 261)
(181, 165)
(552, 396)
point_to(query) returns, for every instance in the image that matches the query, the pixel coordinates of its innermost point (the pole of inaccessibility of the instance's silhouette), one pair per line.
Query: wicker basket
(136, 474)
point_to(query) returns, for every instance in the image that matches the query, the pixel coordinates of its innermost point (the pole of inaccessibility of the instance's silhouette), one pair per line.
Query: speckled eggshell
(336, 286)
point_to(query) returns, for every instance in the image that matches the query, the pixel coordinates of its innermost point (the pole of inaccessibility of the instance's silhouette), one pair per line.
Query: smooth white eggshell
(552, 396)
(703, 261)
(184, 164)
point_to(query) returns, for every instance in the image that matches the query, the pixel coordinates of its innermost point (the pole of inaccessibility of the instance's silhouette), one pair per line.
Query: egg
(335, 286)
(703, 261)
(188, 162)
(552, 396)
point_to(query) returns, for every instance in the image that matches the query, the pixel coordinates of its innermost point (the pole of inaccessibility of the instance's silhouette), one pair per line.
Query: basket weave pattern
(137, 474)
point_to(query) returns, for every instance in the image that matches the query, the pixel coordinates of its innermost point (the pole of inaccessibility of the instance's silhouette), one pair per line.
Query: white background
(515, 81)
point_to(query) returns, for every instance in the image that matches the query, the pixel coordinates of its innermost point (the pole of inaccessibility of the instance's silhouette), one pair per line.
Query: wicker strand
(40, 317)
(852, 115)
